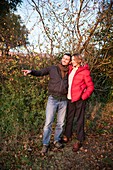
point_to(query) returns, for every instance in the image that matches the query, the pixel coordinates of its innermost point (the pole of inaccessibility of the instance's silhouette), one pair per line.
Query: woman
(80, 87)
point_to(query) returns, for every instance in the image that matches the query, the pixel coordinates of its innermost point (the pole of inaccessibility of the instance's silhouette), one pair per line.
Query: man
(57, 100)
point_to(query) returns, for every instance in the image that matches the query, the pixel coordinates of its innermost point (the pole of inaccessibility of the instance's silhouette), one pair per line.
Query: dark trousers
(75, 109)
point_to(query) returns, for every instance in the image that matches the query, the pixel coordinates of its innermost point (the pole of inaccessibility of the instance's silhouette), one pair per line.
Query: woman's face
(75, 62)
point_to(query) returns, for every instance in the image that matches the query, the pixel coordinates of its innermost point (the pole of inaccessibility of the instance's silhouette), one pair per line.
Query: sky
(31, 19)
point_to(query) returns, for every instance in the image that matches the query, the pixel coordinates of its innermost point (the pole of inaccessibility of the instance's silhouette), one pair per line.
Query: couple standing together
(69, 86)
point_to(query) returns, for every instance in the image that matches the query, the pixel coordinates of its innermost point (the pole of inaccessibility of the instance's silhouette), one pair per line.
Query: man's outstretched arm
(42, 72)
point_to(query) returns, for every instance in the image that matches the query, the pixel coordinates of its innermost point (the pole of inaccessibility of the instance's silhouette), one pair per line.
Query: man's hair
(68, 54)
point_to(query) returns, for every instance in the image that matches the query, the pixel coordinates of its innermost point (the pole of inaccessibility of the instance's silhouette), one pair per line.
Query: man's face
(65, 60)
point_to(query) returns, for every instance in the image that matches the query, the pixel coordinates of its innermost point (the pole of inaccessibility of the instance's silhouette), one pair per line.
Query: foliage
(69, 25)
(102, 62)
(22, 98)
(12, 33)
(7, 5)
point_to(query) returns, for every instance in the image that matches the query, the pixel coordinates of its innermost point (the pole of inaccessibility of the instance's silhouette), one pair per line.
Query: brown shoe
(76, 146)
(44, 150)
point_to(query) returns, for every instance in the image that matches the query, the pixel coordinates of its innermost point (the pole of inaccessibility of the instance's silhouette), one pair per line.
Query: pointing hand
(26, 72)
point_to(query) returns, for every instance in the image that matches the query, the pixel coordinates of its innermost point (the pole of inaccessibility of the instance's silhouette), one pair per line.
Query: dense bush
(23, 99)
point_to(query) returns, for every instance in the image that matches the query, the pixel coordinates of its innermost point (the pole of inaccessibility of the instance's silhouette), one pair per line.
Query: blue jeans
(53, 106)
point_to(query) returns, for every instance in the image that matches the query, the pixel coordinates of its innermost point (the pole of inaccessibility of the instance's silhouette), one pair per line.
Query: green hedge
(23, 99)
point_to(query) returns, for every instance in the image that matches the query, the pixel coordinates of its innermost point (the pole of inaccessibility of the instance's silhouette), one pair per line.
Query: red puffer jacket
(82, 85)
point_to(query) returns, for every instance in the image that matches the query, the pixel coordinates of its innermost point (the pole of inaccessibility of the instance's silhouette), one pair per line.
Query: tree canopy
(13, 32)
(7, 5)
(69, 25)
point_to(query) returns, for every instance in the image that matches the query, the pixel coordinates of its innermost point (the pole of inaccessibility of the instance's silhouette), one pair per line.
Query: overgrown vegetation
(13, 33)
(22, 113)
(22, 98)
